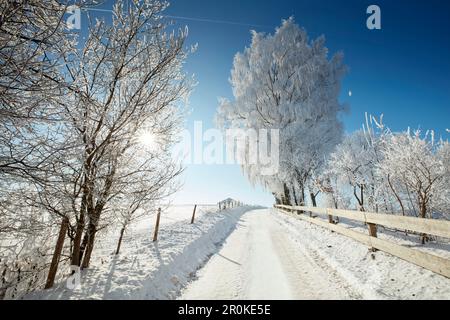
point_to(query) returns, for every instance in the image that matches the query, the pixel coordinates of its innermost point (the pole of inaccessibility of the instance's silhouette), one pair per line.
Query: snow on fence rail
(428, 261)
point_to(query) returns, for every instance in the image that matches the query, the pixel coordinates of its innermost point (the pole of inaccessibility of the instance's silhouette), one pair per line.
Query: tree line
(74, 107)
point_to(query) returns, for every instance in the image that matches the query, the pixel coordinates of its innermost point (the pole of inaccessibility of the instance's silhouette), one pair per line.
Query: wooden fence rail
(435, 227)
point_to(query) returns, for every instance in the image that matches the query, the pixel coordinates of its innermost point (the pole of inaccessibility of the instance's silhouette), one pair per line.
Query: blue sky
(401, 71)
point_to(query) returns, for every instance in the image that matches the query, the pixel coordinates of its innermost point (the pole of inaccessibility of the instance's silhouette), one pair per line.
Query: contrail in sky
(196, 19)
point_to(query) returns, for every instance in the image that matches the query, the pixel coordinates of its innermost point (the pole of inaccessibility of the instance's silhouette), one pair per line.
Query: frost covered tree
(285, 81)
(441, 200)
(124, 82)
(393, 172)
(34, 36)
(127, 79)
(145, 181)
(352, 162)
(419, 167)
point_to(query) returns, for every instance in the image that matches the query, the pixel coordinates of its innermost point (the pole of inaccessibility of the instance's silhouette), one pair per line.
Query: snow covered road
(259, 261)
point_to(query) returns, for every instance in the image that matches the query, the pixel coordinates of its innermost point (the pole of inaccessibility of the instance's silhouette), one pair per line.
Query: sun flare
(149, 140)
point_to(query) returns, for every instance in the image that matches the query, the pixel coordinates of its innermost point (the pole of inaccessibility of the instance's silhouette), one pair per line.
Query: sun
(149, 140)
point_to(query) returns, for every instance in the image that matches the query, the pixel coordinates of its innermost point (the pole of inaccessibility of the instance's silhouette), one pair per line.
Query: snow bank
(147, 270)
(376, 275)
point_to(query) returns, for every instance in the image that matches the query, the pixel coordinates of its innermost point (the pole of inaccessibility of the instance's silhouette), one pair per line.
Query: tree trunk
(57, 253)
(359, 198)
(336, 206)
(120, 240)
(90, 233)
(423, 215)
(301, 179)
(396, 195)
(313, 200)
(83, 247)
(287, 197)
(88, 252)
(302, 197)
(76, 252)
(294, 195)
(277, 200)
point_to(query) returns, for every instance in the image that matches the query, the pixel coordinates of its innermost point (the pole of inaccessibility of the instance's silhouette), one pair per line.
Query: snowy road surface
(258, 261)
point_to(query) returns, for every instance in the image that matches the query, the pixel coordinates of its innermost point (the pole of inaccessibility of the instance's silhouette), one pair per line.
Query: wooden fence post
(372, 230)
(155, 234)
(193, 214)
(330, 217)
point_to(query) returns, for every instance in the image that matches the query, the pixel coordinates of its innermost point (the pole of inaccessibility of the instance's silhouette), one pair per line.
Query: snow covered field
(275, 256)
(248, 253)
(147, 270)
(172, 214)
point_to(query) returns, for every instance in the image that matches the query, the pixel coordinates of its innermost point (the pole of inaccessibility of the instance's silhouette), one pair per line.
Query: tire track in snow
(315, 278)
(259, 261)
